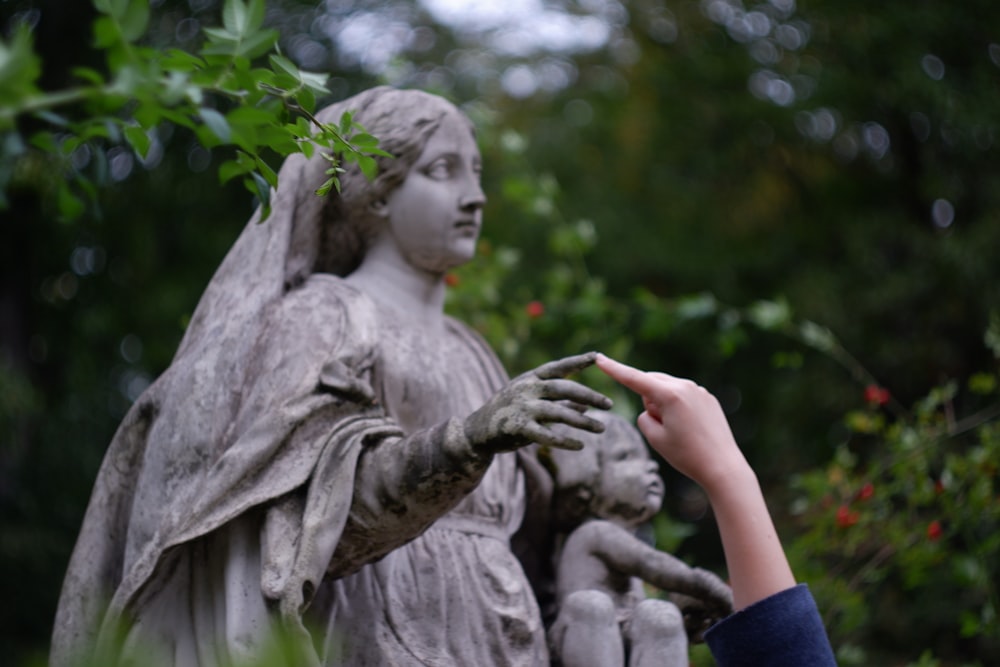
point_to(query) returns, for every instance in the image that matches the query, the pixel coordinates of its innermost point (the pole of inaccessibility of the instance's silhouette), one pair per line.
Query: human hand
(699, 615)
(683, 422)
(520, 413)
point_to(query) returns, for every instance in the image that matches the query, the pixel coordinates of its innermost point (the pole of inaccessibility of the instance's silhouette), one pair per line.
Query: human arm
(685, 424)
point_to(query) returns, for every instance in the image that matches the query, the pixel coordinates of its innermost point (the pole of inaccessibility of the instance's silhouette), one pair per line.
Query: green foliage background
(788, 208)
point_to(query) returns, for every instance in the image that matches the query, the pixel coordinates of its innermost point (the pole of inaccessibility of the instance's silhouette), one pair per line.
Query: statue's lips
(467, 224)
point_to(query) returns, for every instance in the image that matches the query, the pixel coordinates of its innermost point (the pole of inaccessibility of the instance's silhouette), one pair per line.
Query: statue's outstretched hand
(522, 411)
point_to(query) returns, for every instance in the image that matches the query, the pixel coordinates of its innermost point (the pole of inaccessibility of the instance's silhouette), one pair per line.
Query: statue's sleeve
(392, 486)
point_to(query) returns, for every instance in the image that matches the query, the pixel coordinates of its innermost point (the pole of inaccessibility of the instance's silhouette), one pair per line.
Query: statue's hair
(403, 121)
(576, 474)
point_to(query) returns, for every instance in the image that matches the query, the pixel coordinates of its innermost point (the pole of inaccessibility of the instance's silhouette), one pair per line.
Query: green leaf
(346, 122)
(282, 63)
(696, 306)
(70, 206)
(770, 315)
(250, 116)
(258, 43)
(267, 172)
(259, 187)
(147, 115)
(135, 20)
(231, 169)
(89, 75)
(19, 68)
(53, 118)
(234, 16)
(105, 33)
(221, 36)
(178, 118)
(306, 100)
(177, 60)
(44, 141)
(255, 15)
(118, 8)
(364, 141)
(817, 337)
(138, 139)
(315, 82)
(174, 88)
(368, 167)
(328, 185)
(216, 122)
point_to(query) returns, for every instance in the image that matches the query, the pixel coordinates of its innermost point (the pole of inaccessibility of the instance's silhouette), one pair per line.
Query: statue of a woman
(328, 449)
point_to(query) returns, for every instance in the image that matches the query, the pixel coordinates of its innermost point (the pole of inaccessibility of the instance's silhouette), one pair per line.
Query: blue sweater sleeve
(784, 630)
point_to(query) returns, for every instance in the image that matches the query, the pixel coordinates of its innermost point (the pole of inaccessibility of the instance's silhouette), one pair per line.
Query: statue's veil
(305, 232)
(189, 419)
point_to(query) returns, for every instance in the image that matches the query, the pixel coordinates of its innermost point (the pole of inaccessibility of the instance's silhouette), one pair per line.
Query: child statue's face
(629, 489)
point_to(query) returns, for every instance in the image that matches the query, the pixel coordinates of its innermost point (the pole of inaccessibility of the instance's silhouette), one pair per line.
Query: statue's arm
(402, 485)
(621, 551)
(319, 349)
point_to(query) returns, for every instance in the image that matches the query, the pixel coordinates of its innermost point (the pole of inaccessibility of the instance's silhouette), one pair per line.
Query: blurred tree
(687, 159)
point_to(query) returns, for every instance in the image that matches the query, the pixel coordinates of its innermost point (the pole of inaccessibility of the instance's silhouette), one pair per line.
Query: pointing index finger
(636, 380)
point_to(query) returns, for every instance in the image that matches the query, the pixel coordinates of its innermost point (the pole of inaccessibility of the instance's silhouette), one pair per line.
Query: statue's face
(435, 215)
(629, 487)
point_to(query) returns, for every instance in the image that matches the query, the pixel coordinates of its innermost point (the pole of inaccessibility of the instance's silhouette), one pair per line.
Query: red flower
(876, 395)
(451, 280)
(845, 517)
(934, 530)
(938, 487)
(535, 309)
(866, 492)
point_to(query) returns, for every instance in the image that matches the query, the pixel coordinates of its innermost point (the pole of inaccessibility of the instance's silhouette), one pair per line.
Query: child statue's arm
(623, 552)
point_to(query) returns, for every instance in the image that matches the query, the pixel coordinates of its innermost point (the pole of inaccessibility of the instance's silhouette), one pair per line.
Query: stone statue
(604, 493)
(328, 453)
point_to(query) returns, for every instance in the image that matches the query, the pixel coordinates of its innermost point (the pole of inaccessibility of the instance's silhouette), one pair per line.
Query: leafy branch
(226, 93)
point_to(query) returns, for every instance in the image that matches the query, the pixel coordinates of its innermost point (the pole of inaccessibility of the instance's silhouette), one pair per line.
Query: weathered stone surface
(328, 450)
(602, 494)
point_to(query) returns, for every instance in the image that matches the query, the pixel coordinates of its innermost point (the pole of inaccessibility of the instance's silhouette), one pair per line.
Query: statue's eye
(439, 169)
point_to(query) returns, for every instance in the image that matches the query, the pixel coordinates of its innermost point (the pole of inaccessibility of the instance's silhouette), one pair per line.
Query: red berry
(934, 530)
(451, 280)
(876, 395)
(866, 492)
(845, 517)
(535, 309)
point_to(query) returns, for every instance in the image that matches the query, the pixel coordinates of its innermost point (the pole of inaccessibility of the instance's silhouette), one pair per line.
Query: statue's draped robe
(319, 479)
(294, 439)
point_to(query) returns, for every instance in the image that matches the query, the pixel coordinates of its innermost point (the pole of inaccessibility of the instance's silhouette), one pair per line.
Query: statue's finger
(567, 390)
(561, 368)
(563, 413)
(546, 436)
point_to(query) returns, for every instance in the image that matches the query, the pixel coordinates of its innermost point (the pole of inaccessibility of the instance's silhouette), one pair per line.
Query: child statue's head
(612, 477)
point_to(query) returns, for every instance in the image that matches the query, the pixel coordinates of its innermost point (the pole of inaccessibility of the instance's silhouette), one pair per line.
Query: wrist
(729, 483)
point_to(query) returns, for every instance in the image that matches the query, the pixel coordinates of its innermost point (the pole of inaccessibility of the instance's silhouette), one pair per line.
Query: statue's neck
(416, 294)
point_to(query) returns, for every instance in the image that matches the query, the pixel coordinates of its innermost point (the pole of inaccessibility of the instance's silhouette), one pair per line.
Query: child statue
(604, 493)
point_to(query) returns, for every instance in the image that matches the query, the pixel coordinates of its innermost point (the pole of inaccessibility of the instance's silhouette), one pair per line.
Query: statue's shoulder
(323, 296)
(326, 310)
